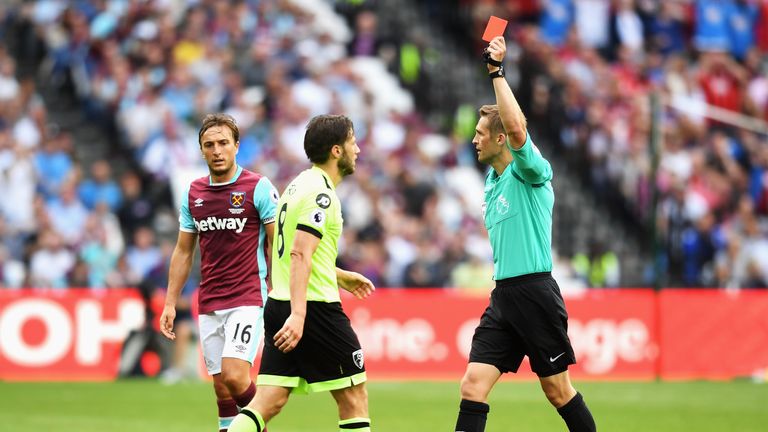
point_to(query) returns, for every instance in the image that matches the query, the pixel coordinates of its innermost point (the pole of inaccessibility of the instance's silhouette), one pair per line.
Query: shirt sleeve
(265, 200)
(186, 223)
(313, 212)
(530, 164)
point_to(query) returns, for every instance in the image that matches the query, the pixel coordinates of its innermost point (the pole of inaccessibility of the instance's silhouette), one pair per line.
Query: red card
(494, 28)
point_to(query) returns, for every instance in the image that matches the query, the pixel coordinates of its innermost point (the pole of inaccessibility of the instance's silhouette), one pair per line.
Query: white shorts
(234, 332)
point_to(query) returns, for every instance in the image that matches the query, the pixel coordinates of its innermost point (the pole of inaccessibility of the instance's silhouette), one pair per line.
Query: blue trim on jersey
(186, 223)
(224, 423)
(263, 270)
(265, 199)
(234, 179)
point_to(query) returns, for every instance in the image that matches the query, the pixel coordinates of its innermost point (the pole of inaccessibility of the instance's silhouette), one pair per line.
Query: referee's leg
(569, 403)
(476, 384)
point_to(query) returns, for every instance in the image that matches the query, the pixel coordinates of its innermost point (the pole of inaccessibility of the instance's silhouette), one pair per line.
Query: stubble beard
(346, 165)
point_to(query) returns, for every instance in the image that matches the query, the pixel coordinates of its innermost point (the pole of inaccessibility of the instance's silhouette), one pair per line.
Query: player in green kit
(526, 314)
(313, 347)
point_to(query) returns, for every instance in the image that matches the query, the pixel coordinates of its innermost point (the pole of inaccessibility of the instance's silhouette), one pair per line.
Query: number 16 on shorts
(234, 333)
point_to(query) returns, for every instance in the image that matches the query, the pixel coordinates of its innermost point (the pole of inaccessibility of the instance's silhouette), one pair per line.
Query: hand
(497, 48)
(290, 334)
(359, 285)
(166, 322)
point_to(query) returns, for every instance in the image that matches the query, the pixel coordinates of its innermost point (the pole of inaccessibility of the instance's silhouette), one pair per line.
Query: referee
(526, 314)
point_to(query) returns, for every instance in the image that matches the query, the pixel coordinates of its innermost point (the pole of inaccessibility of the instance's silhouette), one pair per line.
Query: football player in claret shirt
(231, 212)
(309, 342)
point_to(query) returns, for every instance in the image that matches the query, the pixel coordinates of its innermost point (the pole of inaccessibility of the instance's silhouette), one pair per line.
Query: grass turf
(147, 406)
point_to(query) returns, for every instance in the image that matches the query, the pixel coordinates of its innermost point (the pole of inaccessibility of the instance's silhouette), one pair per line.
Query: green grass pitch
(147, 406)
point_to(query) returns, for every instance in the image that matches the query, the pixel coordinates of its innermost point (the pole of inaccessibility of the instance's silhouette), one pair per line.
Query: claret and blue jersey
(229, 219)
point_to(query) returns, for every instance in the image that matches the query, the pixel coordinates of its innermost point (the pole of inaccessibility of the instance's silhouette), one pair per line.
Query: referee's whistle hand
(290, 334)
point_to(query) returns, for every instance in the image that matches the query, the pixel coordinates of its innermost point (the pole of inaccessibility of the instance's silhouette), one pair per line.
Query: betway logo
(212, 223)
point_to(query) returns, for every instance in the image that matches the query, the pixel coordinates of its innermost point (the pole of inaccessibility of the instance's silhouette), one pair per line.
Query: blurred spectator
(12, 271)
(366, 41)
(100, 187)
(67, 214)
(474, 275)
(122, 276)
(137, 208)
(51, 262)
(599, 268)
(712, 32)
(143, 255)
(556, 20)
(54, 166)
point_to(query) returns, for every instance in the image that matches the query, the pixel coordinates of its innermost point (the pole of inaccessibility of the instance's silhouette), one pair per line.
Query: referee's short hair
(324, 132)
(491, 112)
(218, 119)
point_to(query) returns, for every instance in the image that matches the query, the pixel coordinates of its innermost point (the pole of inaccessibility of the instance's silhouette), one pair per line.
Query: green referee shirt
(308, 204)
(518, 214)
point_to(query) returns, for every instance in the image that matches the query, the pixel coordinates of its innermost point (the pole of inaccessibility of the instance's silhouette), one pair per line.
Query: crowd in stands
(587, 68)
(148, 71)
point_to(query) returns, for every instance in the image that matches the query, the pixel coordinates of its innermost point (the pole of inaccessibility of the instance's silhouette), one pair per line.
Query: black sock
(472, 416)
(577, 416)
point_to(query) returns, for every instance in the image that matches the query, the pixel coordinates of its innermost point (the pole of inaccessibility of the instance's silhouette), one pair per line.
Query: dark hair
(494, 119)
(324, 132)
(218, 119)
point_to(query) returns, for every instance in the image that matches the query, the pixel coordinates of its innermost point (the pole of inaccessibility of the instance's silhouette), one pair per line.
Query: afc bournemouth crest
(236, 199)
(357, 357)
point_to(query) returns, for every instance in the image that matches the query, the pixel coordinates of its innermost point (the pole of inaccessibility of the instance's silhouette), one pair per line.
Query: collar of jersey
(234, 178)
(495, 177)
(325, 175)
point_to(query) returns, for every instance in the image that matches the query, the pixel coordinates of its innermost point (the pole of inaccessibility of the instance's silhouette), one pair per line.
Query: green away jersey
(308, 204)
(518, 214)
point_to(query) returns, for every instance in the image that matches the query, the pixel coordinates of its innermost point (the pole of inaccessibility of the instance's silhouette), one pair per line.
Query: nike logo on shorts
(552, 359)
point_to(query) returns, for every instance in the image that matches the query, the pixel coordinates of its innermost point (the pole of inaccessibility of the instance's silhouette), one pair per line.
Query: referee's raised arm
(512, 116)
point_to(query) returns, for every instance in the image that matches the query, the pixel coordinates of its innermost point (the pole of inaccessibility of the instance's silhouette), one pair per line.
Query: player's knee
(234, 381)
(274, 406)
(353, 402)
(558, 395)
(473, 388)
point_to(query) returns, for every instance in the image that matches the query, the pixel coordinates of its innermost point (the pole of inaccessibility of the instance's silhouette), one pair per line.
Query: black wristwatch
(497, 74)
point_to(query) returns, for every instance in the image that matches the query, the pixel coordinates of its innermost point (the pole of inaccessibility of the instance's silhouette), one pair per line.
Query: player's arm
(355, 283)
(265, 198)
(304, 246)
(269, 230)
(181, 264)
(531, 165)
(511, 114)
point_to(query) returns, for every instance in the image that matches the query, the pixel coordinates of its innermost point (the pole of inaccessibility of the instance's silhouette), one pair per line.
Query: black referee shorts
(328, 356)
(526, 316)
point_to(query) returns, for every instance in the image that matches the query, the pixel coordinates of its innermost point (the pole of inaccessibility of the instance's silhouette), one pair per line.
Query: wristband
(487, 58)
(497, 74)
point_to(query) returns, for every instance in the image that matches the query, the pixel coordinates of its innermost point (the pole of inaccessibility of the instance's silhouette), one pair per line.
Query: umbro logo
(198, 202)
